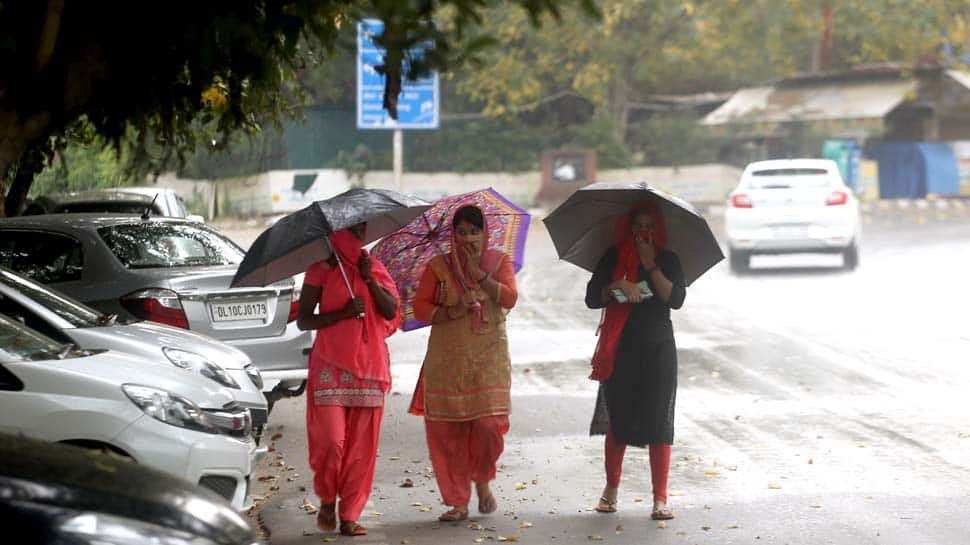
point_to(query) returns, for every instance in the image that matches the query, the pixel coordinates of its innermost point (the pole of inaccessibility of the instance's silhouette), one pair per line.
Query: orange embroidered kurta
(467, 372)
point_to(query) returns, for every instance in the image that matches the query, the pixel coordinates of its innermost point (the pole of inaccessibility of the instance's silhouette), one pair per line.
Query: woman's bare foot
(455, 514)
(607, 503)
(327, 517)
(486, 500)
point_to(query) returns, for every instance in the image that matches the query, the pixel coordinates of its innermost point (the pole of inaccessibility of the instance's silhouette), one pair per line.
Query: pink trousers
(659, 465)
(465, 452)
(343, 451)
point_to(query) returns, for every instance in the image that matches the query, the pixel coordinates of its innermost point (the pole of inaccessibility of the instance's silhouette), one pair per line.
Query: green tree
(180, 73)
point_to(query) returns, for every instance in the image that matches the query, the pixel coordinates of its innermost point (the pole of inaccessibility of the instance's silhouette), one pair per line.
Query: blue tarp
(910, 170)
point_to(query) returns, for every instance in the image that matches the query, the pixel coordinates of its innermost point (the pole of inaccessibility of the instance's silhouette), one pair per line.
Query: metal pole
(398, 157)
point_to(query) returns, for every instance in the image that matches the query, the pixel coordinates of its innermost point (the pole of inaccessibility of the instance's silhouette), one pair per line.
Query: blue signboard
(417, 106)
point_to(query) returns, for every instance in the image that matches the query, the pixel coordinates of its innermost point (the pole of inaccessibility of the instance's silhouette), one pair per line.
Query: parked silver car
(167, 270)
(65, 320)
(158, 201)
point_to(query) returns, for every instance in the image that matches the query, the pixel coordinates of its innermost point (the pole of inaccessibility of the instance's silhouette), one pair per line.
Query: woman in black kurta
(635, 403)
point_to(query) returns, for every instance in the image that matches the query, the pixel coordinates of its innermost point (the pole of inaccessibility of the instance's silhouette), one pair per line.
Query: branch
(48, 34)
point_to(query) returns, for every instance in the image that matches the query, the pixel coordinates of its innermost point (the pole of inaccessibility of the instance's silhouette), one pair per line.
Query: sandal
(351, 528)
(662, 513)
(327, 517)
(453, 515)
(606, 506)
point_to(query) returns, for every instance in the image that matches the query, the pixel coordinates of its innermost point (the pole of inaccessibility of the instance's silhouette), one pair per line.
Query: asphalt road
(815, 405)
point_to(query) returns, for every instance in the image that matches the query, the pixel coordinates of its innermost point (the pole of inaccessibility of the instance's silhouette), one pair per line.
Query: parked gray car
(66, 320)
(167, 270)
(158, 201)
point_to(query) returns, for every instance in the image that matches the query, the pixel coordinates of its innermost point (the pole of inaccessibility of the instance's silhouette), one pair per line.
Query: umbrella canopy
(407, 252)
(299, 240)
(582, 227)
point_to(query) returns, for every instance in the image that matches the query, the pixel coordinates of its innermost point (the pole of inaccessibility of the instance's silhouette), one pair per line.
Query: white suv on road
(792, 206)
(159, 416)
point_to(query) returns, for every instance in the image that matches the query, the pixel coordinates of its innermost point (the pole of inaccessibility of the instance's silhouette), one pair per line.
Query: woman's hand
(468, 300)
(473, 260)
(646, 251)
(631, 290)
(365, 265)
(354, 308)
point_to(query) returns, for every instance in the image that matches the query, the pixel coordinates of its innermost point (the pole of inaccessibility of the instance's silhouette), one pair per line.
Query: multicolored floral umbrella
(407, 251)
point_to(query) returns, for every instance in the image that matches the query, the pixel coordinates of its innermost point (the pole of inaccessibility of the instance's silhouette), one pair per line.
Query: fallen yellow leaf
(376, 513)
(328, 539)
(706, 528)
(619, 528)
(816, 506)
(424, 509)
(676, 492)
(638, 499)
(712, 473)
(732, 468)
(394, 458)
(519, 486)
(595, 537)
(733, 527)
(661, 524)
(475, 526)
(509, 538)
(525, 525)
(965, 435)
(774, 485)
(416, 504)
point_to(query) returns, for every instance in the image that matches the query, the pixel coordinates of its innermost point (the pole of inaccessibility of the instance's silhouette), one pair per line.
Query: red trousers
(659, 465)
(343, 451)
(465, 452)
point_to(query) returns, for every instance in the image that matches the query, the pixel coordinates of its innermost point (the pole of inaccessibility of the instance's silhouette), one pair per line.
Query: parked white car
(66, 320)
(156, 201)
(792, 206)
(159, 416)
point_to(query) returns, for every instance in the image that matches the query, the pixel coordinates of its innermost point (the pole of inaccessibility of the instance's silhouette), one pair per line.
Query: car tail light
(740, 200)
(837, 198)
(294, 306)
(157, 305)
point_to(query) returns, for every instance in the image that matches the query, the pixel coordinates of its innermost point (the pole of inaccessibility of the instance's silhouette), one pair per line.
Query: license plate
(227, 312)
(790, 233)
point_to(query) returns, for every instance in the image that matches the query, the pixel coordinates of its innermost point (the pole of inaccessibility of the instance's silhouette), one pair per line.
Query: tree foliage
(180, 73)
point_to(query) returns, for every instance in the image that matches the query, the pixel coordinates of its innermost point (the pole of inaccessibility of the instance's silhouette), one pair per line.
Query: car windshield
(108, 207)
(149, 245)
(784, 178)
(78, 314)
(20, 343)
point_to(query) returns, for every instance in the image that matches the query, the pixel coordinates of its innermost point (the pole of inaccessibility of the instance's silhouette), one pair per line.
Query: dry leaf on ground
(415, 504)
(638, 499)
(525, 525)
(265, 478)
(594, 537)
(424, 509)
(408, 483)
(519, 486)
(774, 485)
(712, 473)
(661, 524)
(507, 538)
(676, 493)
(276, 436)
(475, 526)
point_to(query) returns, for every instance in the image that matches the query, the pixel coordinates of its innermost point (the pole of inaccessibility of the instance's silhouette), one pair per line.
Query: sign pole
(398, 157)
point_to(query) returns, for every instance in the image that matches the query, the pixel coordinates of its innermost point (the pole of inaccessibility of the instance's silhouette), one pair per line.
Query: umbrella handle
(343, 273)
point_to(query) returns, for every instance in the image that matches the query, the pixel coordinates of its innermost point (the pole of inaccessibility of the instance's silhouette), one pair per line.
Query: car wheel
(850, 257)
(740, 261)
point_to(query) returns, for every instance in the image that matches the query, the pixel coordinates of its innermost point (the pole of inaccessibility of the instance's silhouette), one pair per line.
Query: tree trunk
(620, 109)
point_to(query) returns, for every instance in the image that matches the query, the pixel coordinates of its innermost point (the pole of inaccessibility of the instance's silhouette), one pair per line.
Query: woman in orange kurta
(348, 376)
(463, 390)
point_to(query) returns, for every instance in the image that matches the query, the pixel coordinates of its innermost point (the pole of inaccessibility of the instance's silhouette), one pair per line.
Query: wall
(272, 192)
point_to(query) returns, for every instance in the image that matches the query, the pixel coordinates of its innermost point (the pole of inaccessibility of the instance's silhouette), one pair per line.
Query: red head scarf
(615, 315)
(489, 262)
(354, 345)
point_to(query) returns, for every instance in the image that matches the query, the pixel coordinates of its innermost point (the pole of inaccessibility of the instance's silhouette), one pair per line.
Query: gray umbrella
(299, 239)
(582, 227)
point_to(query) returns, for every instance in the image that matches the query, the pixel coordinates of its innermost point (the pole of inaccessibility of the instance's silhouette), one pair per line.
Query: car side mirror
(195, 217)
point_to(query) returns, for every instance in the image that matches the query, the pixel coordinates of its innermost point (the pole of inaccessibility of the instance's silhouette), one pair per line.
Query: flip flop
(327, 517)
(351, 528)
(453, 515)
(662, 514)
(606, 506)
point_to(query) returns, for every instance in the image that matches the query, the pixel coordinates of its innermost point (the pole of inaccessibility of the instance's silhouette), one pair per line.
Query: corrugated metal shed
(815, 102)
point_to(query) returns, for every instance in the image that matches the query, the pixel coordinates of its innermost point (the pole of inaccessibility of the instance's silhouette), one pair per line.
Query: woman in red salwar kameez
(463, 389)
(349, 373)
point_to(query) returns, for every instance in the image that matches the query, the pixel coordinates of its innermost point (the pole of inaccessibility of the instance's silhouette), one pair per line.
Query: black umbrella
(299, 239)
(582, 227)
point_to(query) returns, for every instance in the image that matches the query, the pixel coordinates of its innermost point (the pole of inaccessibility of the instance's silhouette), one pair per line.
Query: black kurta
(638, 399)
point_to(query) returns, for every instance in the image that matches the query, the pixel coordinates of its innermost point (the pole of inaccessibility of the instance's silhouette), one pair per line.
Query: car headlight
(194, 362)
(254, 375)
(169, 408)
(102, 529)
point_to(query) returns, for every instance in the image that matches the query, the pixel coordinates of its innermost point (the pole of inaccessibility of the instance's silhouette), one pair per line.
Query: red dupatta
(616, 314)
(355, 345)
